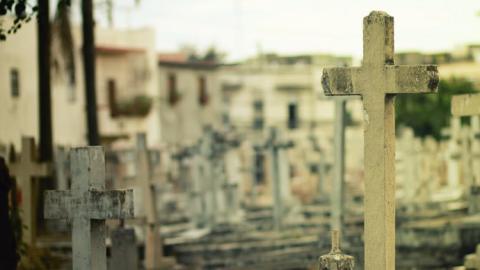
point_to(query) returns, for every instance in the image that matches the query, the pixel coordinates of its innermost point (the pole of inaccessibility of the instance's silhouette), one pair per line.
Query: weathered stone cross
(469, 105)
(377, 81)
(88, 206)
(25, 170)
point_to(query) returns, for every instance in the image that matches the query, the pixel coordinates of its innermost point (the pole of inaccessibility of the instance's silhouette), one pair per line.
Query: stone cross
(336, 260)
(124, 250)
(88, 205)
(280, 175)
(153, 243)
(469, 105)
(377, 81)
(26, 170)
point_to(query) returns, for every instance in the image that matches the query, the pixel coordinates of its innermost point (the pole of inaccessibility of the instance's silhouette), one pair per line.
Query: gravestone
(336, 260)
(377, 81)
(469, 105)
(88, 205)
(124, 250)
(279, 168)
(26, 170)
(153, 243)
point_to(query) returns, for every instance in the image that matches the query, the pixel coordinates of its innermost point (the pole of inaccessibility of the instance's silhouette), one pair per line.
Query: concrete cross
(469, 105)
(26, 170)
(153, 243)
(377, 81)
(279, 174)
(88, 205)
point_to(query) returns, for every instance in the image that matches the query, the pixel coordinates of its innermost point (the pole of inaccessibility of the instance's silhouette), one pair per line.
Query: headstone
(469, 105)
(377, 81)
(336, 260)
(153, 243)
(26, 170)
(88, 205)
(124, 250)
(279, 169)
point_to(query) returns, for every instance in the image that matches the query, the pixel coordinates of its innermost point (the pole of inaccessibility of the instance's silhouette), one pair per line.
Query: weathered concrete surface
(124, 250)
(377, 81)
(466, 105)
(87, 205)
(26, 170)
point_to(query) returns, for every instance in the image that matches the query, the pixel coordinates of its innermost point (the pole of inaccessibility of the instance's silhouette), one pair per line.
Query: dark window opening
(112, 97)
(258, 122)
(173, 95)
(202, 89)
(292, 116)
(14, 82)
(259, 168)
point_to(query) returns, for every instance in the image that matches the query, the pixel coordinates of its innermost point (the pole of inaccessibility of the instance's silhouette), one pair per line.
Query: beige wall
(183, 122)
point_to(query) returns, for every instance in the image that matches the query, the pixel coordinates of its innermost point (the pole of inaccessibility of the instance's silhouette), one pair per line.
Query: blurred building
(190, 98)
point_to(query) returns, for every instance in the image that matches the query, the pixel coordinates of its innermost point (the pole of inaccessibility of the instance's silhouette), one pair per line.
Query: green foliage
(428, 114)
(139, 105)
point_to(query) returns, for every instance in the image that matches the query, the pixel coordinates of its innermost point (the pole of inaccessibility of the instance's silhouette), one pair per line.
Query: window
(292, 115)
(14, 82)
(202, 91)
(173, 96)
(112, 97)
(259, 168)
(258, 114)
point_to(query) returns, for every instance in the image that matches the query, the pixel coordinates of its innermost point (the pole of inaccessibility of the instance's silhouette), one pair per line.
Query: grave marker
(88, 205)
(124, 250)
(26, 171)
(280, 175)
(469, 105)
(153, 243)
(377, 81)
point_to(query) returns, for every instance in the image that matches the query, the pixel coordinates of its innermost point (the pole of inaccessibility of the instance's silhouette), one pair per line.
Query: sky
(242, 28)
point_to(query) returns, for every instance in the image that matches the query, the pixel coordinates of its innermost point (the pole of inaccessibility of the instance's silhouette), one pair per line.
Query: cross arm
(412, 79)
(57, 204)
(340, 81)
(111, 204)
(466, 105)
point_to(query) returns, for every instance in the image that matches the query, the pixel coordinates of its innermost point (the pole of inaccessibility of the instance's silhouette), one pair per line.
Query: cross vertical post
(153, 247)
(378, 80)
(337, 198)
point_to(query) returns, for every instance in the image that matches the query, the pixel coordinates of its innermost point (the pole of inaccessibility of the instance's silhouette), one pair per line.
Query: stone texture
(377, 81)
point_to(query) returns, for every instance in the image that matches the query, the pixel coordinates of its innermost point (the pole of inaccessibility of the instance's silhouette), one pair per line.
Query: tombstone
(88, 205)
(377, 81)
(336, 260)
(153, 243)
(279, 168)
(469, 105)
(208, 177)
(124, 250)
(26, 171)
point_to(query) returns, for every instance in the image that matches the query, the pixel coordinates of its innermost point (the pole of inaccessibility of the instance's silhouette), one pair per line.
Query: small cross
(88, 205)
(469, 105)
(279, 173)
(377, 81)
(153, 244)
(26, 170)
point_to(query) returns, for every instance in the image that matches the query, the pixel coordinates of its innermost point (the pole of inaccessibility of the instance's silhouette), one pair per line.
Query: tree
(21, 10)
(428, 114)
